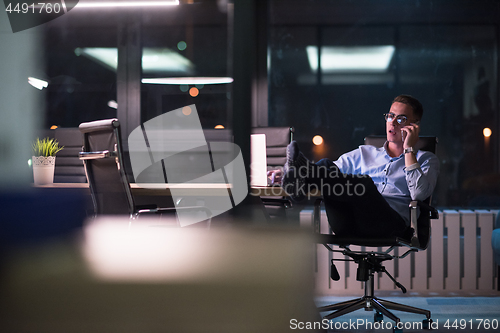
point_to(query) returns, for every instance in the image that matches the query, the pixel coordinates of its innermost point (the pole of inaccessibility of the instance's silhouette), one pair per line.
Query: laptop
(258, 160)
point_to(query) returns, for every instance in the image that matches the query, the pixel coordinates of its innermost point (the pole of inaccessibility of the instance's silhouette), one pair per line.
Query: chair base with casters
(370, 262)
(368, 265)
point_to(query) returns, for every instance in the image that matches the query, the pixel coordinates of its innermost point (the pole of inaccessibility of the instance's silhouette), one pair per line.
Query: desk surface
(182, 189)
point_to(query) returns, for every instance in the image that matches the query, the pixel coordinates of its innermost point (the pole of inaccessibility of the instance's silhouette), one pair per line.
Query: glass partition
(194, 71)
(335, 77)
(179, 48)
(80, 56)
(447, 60)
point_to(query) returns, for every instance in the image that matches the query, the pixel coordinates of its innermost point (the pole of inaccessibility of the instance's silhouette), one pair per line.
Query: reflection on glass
(451, 69)
(154, 60)
(348, 59)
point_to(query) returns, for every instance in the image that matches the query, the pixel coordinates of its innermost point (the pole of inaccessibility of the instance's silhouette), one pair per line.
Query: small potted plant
(44, 160)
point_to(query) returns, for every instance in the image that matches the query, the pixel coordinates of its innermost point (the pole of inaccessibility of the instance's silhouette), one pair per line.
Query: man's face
(393, 128)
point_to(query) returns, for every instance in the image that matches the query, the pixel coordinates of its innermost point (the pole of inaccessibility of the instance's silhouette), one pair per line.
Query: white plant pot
(43, 169)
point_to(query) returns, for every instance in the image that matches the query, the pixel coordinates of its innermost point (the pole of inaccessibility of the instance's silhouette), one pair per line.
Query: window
(364, 62)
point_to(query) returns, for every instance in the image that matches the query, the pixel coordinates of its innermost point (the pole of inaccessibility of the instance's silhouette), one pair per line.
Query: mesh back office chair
(370, 262)
(277, 139)
(103, 159)
(69, 168)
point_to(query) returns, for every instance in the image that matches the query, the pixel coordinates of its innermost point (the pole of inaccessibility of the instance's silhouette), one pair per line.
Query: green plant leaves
(46, 147)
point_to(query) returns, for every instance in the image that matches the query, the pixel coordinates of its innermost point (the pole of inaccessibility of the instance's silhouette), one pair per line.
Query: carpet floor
(450, 313)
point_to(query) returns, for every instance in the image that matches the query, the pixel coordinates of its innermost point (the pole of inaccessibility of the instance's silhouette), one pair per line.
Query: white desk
(186, 189)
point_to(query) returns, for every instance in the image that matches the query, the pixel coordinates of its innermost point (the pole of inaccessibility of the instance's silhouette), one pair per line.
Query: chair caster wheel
(378, 317)
(426, 324)
(397, 330)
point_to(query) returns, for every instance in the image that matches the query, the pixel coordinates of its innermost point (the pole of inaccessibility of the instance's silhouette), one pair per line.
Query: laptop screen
(258, 160)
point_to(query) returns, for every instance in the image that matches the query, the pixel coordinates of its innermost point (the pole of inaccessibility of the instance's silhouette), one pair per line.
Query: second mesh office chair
(277, 139)
(69, 169)
(103, 159)
(370, 261)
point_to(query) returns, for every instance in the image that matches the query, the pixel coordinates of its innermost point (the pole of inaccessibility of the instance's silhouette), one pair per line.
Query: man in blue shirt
(370, 187)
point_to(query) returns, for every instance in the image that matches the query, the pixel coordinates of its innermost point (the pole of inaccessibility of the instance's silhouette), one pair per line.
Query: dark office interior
(102, 64)
(445, 53)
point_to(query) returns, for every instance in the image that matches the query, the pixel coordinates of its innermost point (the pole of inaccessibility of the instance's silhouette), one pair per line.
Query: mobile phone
(403, 133)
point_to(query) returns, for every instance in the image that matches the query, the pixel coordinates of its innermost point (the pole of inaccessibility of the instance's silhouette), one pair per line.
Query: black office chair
(103, 159)
(370, 262)
(69, 168)
(277, 139)
(495, 244)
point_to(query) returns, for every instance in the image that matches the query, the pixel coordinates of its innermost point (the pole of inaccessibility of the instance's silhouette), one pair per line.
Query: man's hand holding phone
(409, 134)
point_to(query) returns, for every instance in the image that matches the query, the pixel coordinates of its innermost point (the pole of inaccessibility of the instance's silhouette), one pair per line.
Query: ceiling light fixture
(188, 80)
(154, 60)
(37, 83)
(102, 4)
(346, 59)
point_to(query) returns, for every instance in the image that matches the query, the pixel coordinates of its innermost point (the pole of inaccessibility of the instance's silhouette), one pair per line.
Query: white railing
(459, 258)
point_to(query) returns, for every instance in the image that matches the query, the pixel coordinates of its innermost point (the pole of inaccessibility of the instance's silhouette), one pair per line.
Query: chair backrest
(69, 168)
(427, 143)
(218, 135)
(103, 159)
(277, 139)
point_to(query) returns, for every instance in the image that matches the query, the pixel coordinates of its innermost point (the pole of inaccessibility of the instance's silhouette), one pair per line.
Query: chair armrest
(414, 223)
(430, 211)
(94, 155)
(317, 216)
(155, 209)
(433, 212)
(277, 201)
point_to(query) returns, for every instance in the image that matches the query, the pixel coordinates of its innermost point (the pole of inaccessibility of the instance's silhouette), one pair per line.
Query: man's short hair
(414, 103)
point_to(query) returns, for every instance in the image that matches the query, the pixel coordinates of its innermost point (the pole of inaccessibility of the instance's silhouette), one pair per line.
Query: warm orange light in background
(194, 92)
(317, 140)
(186, 110)
(54, 127)
(487, 134)
(219, 127)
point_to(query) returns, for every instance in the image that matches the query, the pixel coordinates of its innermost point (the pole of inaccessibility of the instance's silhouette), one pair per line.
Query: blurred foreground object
(152, 277)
